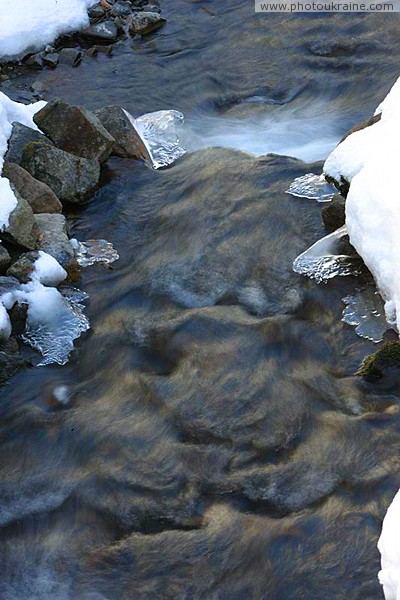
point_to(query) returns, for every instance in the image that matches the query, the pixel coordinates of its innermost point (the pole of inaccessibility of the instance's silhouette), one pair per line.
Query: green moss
(31, 147)
(374, 366)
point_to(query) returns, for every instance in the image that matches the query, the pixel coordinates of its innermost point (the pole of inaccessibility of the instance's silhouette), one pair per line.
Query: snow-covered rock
(389, 547)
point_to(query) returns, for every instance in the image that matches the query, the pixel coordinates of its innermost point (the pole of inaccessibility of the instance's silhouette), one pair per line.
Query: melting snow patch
(313, 187)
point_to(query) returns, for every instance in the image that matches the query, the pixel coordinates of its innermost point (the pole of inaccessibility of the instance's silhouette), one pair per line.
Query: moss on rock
(374, 366)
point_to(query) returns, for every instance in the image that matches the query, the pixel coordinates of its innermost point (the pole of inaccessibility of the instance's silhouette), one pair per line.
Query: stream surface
(217, 445)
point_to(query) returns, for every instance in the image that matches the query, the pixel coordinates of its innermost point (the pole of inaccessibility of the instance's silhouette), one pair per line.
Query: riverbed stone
(106, 31)
(71, 178)
(122, 8)
(24, 266)
(10, 359)
(55, 241)
(334, 213)
(21, 229)
(5, 259)
(128, 143)
(21, 135)
(145, 22)
(75, 129)
(70, 56)
(96, 12)
(39, 196)
(381, 362)
(50, 60)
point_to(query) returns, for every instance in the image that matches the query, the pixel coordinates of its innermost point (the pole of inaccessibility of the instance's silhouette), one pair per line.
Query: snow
(389, 547)
(33, 24)
(9, 112)
(47, 270)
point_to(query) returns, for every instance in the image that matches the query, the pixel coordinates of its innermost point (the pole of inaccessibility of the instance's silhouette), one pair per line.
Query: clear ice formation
(329, 257)
(365, 310)
(94, 251)
(313, 187)
(54, 321)
(160, 134)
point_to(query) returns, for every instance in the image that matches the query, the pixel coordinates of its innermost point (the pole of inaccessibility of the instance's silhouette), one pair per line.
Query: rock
(18, 315)
(334, 214)
(22, 229)
(342, 186)
(50, 60)
(128, 143)
(154, 8)
(70, 177)
(107, 31)
(55, 241)
(23, 267)
(38, 87)
(10, 359)
(35, 61)
(387, 358)
(96, 12)
(366, 123)
(5, 259)
(70, 56)
(20, 136)
(145, 22)
(38, 195)
(75, 129)
(121, 9)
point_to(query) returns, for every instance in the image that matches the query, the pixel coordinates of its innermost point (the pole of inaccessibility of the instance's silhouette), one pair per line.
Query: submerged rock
(22, 229)
(107, 31)
(70, 56)
(38, 195)
(334, 213)
(22, 135)
(121, 9)
(385, 359)
(5, 260)
(71, 178)
(10, 359)
(55, 241)
(75, 130)
(145, 22)
(128, 143)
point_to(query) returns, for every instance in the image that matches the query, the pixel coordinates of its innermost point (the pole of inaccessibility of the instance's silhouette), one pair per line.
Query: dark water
(218, 445)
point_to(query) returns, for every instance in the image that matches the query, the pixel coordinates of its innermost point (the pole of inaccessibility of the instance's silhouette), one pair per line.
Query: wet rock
(96, 12)
(38, 195)
(24, 266)
(70, 56)
(334, 213)
(18, 315)
(10, 359)
(106, 30)
(75, 130)
(385, 360)
(55, 241)
(366, 123)
(50, 60)
(38, 88)
(35, 61)
(128, 142)
(22, 135)
(121, 9)
(342, 186)
(22, 229)
(145, 22)
(70, 177)
(5, 259)
(154, 8)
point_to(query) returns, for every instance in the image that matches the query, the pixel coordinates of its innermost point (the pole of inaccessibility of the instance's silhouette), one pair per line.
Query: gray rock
(22, 229)
(35, 61)
(96, 12)
(155, 8)
(55, 241)
(70, 177)
(145, 22)
(23, 267)
(107, 31)
(75, 129)
(5, 259)
(38, 195)
(333, 214)
(128, 143)
(50, 60)
(20, 136)
(121, 9)
(70, 56)
(10, 359)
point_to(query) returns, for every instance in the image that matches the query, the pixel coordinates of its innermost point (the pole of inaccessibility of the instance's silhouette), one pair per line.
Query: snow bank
(9, 112)
(35, 23)
(369, 160)
(389, 547)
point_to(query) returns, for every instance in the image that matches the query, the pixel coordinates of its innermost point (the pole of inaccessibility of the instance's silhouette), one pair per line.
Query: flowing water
(212, 442)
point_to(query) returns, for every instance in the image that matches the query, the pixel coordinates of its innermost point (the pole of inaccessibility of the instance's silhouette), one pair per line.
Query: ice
(34, 23)
(94, 251)
(160, 134)
(389, 547)
(329, 257)
(365, 310)
(314, 187)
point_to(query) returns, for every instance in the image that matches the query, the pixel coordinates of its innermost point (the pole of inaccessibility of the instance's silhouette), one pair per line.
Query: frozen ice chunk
(53, 323)
(160, 134)
(366, 311)
(329, 257)
(94, 251)
(314, 187)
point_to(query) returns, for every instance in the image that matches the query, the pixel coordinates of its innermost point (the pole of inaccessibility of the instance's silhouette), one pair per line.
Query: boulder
(22, 135)
(70, 56)
(145, 22)
(71, 178)
(106, 31)
(38, 195)
(24, 266)
(5, 260)
(75, 129)
(55, 241)
(128, 143)
(381, 362)
(334, 213)
(22, 229)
